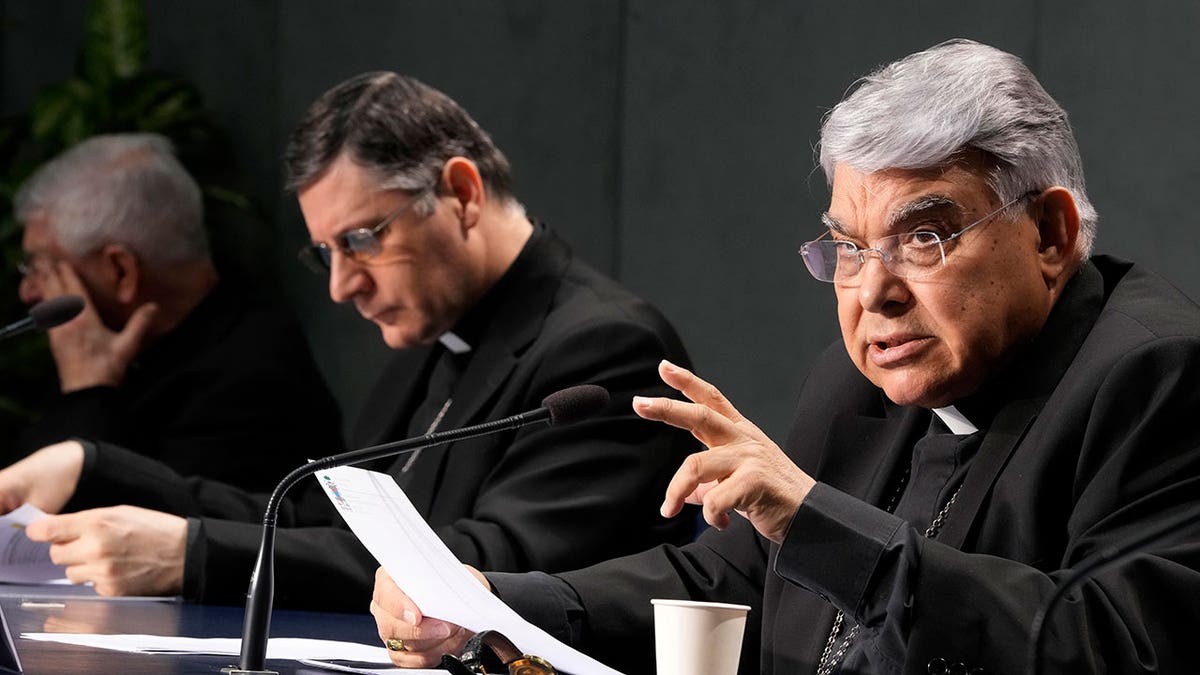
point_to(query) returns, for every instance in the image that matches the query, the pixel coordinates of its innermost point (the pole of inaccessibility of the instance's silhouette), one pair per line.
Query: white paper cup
(698, 638)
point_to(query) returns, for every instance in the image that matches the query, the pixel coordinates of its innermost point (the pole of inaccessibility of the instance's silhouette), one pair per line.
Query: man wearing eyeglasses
(1001, 407)
(167, 359)
(411, 214)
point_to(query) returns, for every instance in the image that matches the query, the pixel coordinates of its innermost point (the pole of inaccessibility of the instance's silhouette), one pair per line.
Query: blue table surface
(68, 609)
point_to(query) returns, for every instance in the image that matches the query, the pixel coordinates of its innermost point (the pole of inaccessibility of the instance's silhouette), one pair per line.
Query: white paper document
(340, 668)
(23, 561)
(385, 521)
(277, 648)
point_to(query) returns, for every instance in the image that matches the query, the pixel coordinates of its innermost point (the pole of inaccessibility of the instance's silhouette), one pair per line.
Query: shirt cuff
(543, 600)
(82, 497)
(833, 546)
(193, 561)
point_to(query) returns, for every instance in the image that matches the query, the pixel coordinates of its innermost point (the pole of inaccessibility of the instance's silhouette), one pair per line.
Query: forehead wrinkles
(854, 197)
(40, 239)
(904, 213)
(880, 202)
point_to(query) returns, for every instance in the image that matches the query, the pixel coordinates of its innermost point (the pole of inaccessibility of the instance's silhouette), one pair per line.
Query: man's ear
(461, 179)
(123, 272)
(1057, 219)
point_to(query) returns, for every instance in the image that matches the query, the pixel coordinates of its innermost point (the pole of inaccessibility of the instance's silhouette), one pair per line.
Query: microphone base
(235, 670)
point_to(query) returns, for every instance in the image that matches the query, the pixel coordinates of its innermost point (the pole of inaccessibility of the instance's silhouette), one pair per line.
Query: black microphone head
(568, 406)
(55, 311)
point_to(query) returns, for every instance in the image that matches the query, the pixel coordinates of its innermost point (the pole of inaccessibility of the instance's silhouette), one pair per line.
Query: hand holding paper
(414, 640)
(121, 550)
(23, 561)
(438, 584)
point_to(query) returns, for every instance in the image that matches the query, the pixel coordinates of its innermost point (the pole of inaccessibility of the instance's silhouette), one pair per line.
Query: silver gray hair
(928, 108)
(127, 189)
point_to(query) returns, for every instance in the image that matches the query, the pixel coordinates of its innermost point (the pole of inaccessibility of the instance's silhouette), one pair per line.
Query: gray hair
(930, 107)
(400, 129)
(124, 189)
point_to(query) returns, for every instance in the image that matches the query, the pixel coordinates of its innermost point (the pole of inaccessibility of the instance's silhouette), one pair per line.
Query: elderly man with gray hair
(1001, 407)
(166, 360)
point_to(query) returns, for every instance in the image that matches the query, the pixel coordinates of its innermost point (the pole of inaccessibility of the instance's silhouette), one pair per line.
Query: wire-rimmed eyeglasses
(26, 267)
(360, 244)
(908, 255)
(32, 265)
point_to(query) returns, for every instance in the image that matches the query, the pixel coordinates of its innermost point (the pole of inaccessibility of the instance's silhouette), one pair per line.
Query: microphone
(563, 407)
(45, 315)
(1105, 557)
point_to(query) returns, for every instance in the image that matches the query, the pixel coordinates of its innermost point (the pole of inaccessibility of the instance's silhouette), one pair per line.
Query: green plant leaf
(115, 44)
(60, 113)
(229, 197)
(161, 103)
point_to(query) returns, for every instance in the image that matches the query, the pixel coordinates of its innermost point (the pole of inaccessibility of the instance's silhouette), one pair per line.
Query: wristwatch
(491, 653)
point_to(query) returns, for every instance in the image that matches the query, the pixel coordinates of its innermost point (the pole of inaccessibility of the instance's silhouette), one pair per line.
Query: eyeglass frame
(29, 264)
(860, 254)
(318, 256)
(26, 266)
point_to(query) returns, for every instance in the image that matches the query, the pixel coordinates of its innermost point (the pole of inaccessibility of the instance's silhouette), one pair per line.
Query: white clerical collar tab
(955, 421)
(455, 344)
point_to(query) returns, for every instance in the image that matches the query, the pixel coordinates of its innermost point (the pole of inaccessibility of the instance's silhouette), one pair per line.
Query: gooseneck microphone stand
(562, 407)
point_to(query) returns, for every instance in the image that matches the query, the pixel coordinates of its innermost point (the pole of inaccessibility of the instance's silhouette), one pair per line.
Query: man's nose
(346, 278)
(879, 288)
(28, 291)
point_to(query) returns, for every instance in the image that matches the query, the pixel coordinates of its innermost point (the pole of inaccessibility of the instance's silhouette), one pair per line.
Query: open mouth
(893, 350)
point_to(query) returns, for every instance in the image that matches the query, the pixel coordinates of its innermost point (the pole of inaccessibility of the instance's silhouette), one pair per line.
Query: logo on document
(332, 488)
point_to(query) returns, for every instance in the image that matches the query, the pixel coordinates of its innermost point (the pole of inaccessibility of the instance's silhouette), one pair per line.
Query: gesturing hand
(742, 470)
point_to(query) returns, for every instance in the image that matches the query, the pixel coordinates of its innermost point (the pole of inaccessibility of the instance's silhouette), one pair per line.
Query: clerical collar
(955, 421)
(454, 343)
(473, 325)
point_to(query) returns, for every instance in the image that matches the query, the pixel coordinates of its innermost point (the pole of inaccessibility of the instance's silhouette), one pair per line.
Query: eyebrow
(372, 223)
(361, 224)
(834, 224)
(920, 206)
(907, 212)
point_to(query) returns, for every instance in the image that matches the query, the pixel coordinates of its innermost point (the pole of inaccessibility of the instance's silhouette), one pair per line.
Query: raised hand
(742, 470)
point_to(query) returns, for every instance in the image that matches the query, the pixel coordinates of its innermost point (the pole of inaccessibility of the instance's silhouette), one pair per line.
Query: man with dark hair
(411, 214)
(1001, 407)
(166, 359)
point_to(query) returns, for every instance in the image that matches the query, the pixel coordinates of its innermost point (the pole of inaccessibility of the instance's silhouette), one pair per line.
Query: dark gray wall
(669, 140)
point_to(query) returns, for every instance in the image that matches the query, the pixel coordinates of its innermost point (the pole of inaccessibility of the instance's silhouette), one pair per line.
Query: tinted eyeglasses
(360, 244)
